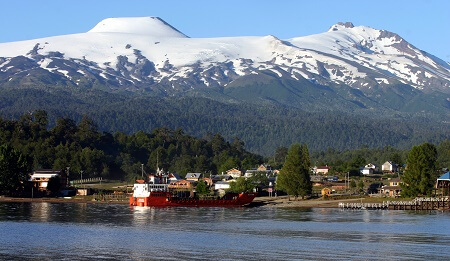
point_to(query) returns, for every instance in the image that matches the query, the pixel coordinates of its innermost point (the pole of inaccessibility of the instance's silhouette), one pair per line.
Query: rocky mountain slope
(147, 54)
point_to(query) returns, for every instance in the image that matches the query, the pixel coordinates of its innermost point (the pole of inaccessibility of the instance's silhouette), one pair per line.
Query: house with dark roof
(394, 188)
(193, 176)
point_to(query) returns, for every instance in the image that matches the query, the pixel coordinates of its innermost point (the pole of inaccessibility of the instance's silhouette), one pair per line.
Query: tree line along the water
(82, 147)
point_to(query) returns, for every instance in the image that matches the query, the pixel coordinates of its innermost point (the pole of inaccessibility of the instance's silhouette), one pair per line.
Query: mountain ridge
(344, 55)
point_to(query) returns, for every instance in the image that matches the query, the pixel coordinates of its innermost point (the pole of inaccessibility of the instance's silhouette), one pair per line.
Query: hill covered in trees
(262, 126)
(83, 148)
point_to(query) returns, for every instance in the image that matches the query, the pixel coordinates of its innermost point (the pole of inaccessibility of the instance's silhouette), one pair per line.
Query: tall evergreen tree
(421, 171)
(305, 181)
(13, 170)
(294, 177)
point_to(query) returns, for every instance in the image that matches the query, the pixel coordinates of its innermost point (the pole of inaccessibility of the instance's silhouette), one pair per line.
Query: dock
(441, 203)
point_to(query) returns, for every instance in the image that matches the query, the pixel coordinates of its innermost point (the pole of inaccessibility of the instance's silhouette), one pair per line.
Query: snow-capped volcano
(151, 26)
(146, 53)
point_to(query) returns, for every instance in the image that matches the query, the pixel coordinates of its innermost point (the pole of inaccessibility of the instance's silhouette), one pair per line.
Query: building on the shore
(84, 191)
(40, 178)
(394, 188)
(443, 183)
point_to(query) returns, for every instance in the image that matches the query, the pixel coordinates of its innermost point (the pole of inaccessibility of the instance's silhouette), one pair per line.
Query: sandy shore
(284, 202)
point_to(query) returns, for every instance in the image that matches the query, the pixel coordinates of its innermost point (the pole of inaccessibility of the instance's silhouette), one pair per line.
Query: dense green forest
(262, 126)
(100, 154)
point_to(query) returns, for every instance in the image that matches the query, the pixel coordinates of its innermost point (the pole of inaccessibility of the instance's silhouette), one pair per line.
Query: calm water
(65, 231)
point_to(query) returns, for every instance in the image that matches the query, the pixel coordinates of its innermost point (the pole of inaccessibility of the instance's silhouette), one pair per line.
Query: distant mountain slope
(262, 128)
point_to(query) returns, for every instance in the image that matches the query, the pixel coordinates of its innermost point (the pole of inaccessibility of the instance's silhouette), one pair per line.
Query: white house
(221, 186)
(367, 171)
(40, 178)
(323, 170)
(372, 166)
(389, 166)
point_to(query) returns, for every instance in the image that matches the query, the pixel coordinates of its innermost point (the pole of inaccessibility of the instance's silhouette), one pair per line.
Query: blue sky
(425, 23)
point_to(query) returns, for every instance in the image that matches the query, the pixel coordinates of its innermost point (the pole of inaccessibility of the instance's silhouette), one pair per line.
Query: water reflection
(143, 215)
(96, 231)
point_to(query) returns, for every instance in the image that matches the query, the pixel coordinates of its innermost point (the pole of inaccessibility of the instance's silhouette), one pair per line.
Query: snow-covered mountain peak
(146, 51)
(340, 26)
(151, 26)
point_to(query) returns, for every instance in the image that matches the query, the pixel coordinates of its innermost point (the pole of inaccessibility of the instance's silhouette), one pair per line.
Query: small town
(375, 182)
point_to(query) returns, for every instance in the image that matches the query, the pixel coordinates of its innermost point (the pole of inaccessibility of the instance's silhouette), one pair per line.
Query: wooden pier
(442, 203)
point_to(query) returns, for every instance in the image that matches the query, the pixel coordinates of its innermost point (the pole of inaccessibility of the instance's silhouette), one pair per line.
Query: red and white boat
(158, 195)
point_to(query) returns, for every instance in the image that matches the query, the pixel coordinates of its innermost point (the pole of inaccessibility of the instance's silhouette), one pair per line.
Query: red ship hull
(165, 199)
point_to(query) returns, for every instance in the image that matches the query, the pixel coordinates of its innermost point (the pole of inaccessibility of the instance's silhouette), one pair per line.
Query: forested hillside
(261, 126)
(83, 148)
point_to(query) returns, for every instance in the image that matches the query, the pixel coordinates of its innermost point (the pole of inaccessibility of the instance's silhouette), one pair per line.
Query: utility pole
(142, 170)
(68, 171)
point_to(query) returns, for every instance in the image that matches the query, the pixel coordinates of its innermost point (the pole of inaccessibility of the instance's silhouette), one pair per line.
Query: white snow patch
(277, 72)
(382, 80)
(135, 78)
(45, 62)
(7, 68)
(65, 72)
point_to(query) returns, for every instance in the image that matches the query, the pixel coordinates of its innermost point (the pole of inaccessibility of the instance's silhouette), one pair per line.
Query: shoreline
(278, 202)
(258, 202)
(59, 200)
(284, 202)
